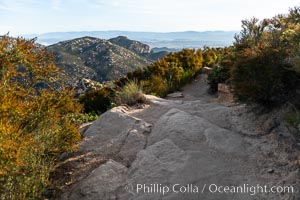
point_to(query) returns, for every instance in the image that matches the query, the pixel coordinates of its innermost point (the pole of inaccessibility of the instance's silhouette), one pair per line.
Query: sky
(19, 17)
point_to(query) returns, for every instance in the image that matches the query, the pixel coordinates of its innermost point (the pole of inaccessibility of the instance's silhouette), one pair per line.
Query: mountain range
(110, 58)
(99, 59)
(175, 40)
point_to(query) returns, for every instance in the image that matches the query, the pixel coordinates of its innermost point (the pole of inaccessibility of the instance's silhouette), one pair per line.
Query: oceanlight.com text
(211, 188)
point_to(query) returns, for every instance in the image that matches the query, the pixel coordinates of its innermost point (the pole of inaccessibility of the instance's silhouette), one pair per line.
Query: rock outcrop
(132, 45)
(118, 135)
(101, 182)
(138, 48)
(186, 149)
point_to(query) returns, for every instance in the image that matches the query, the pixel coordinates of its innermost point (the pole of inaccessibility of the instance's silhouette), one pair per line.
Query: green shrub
(130, 94)
(80, 118)
(97, 101)
(216, 76)
(261, 75)
(267, 59)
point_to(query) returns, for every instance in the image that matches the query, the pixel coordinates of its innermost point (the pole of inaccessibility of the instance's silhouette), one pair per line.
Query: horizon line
(185, 31)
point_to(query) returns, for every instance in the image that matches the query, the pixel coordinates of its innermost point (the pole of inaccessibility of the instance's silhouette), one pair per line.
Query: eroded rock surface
(195, 143)
(101, 183)
(117, 135)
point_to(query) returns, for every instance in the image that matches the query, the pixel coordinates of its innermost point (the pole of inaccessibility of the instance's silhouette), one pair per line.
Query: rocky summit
(100, 60)
(190, 147)
(135, 46)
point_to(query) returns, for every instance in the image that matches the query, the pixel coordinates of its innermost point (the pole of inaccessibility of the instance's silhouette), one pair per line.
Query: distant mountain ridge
(101, 60)
(132, 45)
(177, 40)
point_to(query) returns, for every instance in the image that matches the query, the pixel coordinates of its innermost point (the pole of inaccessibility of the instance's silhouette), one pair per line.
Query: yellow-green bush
(169, 73)
(156, 86)
(81, 118)
(34, 123)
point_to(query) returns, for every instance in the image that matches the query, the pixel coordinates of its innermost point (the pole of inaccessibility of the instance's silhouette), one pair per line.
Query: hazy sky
(39, 16)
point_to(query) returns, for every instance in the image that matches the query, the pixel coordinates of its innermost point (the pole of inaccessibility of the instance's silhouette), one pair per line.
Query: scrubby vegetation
(166, 75)
(130, 94)
(34, 124)
(263, 64)
(169, 73)
(266, 70)
(81, 118)
(38, 115)
(97, 101)
(220, 67)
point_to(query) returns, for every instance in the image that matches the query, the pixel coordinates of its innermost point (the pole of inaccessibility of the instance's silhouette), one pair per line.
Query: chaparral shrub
(266, 70)
(34, 123)
(97, 101)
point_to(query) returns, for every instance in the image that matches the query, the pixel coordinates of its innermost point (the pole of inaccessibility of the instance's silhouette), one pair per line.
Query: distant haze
(175, 40)
(41, 16)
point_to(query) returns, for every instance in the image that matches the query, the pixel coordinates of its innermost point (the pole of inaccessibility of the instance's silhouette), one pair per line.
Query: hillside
(98, 59)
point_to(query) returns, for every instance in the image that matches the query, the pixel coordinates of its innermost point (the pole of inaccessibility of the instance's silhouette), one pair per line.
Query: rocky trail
(192, 147)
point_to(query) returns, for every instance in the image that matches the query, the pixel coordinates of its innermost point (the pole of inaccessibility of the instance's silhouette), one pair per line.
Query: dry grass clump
(130, 94)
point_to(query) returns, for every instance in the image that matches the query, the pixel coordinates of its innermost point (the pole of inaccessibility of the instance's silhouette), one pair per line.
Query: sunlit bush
(156, 86)
(169, 73)
(34, 122)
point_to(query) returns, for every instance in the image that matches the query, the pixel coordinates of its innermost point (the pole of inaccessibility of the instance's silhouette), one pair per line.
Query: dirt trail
(188, 148)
